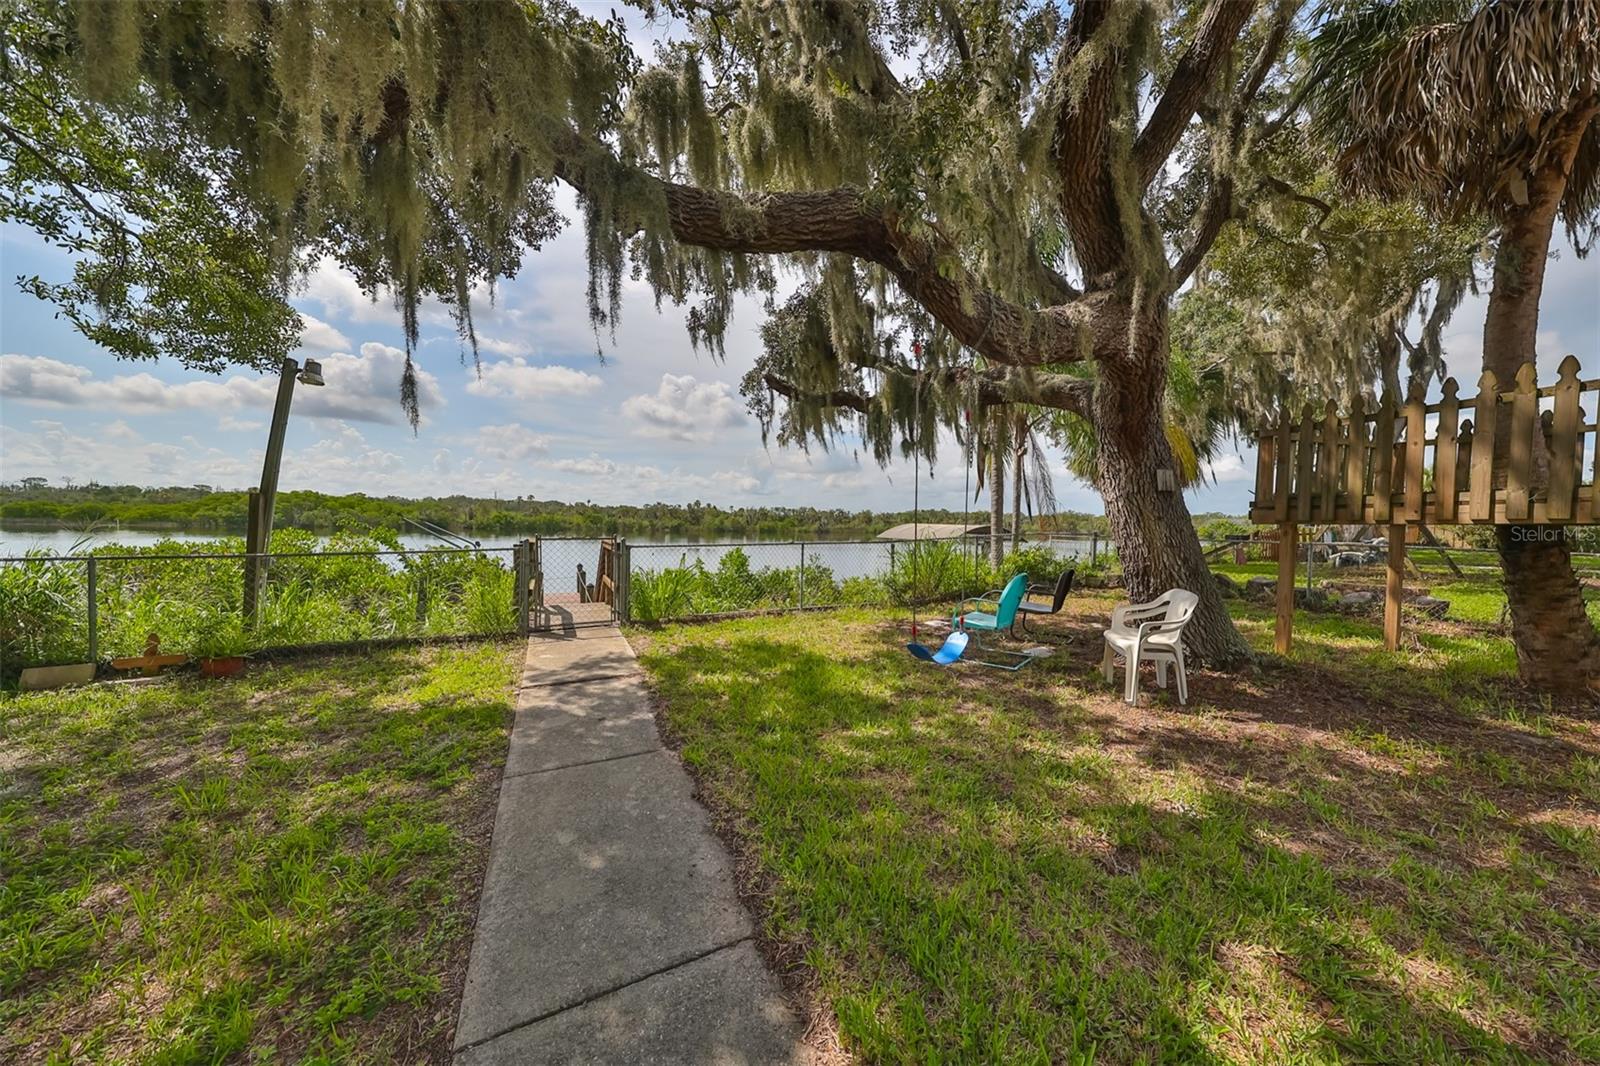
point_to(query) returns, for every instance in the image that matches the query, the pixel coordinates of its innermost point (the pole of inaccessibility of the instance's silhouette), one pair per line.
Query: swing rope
(916, 483)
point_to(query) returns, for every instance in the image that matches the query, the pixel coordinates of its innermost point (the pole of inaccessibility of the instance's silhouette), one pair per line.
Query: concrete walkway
(609, 929)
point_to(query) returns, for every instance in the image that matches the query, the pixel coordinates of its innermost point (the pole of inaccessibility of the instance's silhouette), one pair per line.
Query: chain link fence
(105, 605)
(56, 610)
(680, 581)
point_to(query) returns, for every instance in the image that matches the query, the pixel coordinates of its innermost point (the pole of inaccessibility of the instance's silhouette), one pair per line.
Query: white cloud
(337, 293)
(118, 455)
(510, 349)
(320, 336)
(683, 408)
(230, 424)
(1231, 467)
(591, 466)
(510, 443)
(518, 381)
(361, 388)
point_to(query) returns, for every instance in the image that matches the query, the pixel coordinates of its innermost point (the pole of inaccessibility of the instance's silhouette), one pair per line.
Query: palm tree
(1492, 108)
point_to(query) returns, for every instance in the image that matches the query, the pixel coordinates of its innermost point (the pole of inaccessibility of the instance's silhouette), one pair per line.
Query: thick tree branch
(993, 387)
(854, 401)
(1087, 99)
(1191, 80)
(1219, 207)
(840, 220)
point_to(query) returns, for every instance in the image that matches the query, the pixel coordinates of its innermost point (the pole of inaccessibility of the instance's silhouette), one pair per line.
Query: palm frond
(1463, 112)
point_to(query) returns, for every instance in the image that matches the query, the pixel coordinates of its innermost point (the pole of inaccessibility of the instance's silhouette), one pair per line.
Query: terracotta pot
(222, 666)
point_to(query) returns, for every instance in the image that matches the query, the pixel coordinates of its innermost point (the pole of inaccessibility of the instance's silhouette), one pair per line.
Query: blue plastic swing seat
(954, 645)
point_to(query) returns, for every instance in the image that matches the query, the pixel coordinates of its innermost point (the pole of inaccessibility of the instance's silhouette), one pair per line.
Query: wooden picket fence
(1384, 469)
(1372, 468)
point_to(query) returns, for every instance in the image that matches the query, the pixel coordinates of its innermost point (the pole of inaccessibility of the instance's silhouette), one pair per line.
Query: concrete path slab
(723, 1008)
(555, 728)
(598, 875)
(609, 929)
(561, 662)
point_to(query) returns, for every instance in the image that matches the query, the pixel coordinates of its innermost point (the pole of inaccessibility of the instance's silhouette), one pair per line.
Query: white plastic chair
(1152, 632)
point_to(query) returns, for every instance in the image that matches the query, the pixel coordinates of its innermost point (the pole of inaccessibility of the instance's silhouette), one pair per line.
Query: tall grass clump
(44, 617)
(936, 570)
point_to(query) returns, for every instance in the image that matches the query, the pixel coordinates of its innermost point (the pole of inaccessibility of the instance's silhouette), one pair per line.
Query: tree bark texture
(1558, 649)
(1154, 534)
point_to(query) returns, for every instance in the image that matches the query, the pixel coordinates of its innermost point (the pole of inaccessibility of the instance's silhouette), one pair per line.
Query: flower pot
(41, 677)
(222, 666)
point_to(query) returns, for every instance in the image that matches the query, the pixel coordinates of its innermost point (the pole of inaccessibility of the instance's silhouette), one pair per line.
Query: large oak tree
(1026, 185)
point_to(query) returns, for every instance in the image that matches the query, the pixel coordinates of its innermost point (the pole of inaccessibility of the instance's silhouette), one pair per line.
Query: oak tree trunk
(1155, 538)
(1557, 647)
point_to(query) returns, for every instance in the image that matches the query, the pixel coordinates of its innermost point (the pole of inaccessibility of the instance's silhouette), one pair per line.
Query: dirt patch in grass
(1344, 854)
(279, 867)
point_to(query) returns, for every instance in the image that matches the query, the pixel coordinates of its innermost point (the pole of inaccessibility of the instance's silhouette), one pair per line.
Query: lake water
(561, 556)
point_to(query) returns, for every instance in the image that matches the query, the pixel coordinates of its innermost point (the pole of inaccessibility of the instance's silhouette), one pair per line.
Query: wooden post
(1486, 427)
(1416, 446)
(1283, 450)
(1446, 452)
(1355, 462)
(1327, 459)
(1288, 551)
(1524, 424)
(258, 524)
(94, 612)
(1566, 450)
(1395, 587)
(1383, 463)
(1305, 489)
(252, 564)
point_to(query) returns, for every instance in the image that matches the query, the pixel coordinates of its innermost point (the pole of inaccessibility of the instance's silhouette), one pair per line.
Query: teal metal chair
(1002, 618)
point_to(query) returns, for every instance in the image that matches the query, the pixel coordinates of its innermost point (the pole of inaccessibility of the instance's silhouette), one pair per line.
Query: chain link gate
(566, 583)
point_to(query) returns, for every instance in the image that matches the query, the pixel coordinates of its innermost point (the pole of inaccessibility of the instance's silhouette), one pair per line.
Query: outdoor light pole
(258, 516)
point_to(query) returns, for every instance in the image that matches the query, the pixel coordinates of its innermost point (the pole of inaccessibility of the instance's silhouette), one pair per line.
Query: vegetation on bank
(1349, 855)
(930, 572)
(195, 606)
(282, 868)
(202, 508)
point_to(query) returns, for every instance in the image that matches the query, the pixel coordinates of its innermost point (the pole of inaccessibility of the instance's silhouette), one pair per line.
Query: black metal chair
(1059, 596)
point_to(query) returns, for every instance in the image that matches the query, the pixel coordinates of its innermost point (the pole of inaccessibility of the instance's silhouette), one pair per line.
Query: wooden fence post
(1394, 587)
(1524, 424)
(1446, 452)
(1566, 451)
(1288, 552)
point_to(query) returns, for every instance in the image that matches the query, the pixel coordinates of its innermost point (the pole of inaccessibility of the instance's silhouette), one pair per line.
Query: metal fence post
(1094, 549)
(802, 602)
(624, 565)
(94, 614)
(422, 600)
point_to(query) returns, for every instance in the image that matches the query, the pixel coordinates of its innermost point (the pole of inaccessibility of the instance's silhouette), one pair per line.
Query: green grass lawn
(279, 868)
(1348, 856)
(1476, 595)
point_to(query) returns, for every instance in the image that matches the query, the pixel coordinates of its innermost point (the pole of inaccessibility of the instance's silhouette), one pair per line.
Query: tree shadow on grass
(975, 872)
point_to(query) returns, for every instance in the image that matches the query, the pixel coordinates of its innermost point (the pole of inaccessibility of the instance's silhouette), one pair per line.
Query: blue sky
(545, 417)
